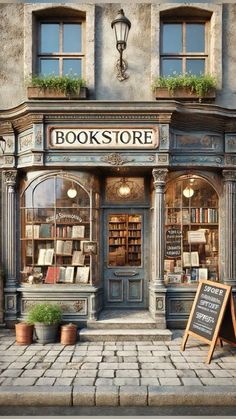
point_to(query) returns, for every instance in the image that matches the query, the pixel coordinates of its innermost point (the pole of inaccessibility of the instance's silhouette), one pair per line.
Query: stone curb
(36, 396)
(118, 396)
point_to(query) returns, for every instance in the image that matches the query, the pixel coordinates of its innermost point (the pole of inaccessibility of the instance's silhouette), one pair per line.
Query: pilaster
(230, 227)
(157, 287)
(9, 242)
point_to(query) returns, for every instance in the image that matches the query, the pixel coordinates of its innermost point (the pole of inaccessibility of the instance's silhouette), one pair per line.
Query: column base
(157, 304)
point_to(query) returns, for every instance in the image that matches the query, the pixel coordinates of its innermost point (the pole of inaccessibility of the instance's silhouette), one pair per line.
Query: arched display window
(58, 238)
(191, 231)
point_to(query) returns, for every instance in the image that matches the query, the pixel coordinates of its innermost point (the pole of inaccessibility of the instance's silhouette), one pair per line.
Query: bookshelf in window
(125, 240)
(191, 232)
(51, 245)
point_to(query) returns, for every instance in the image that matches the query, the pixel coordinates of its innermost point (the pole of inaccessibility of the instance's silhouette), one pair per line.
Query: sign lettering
(212, 315)
(80, 138)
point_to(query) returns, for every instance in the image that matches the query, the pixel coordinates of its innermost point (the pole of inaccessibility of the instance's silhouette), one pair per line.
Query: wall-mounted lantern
(121, 25)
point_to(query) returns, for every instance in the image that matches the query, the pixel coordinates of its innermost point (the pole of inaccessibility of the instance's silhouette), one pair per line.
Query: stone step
(121, 324)
(113, 335)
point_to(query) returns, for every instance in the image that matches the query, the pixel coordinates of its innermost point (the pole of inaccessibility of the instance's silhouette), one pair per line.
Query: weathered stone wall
(11, 55)
(140, 52)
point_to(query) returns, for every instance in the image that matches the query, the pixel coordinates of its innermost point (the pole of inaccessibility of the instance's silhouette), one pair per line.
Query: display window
(191, 231)
(58, 238)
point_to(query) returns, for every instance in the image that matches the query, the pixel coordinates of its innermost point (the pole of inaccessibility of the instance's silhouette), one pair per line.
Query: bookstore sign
(103, 138)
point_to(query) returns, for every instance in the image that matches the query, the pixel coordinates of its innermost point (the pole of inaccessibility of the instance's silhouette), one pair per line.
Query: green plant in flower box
(199, 85)
(66, 84)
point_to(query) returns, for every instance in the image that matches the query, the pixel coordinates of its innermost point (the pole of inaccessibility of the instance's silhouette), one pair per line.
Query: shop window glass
(183, 48)
(56, 228)
(122, 190)
(60, 49)
(191, 232)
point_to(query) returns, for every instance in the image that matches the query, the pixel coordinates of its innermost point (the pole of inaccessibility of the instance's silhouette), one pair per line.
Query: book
(69, 274)
(45, 230)
(62, 274)
(64, 247)
(190, 259)
(78, 258)
(53, 274)
(45, 256)
(202, 273)
(31, 231)
(78, 231)
(82, 275)
(197, 236)
(29, 248)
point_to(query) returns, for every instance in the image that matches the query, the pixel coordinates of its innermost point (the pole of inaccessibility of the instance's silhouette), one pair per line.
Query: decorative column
(157, 287)
(9, 244)
(230, 227)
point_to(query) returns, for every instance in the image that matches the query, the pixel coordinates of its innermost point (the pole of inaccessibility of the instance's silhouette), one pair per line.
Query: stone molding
(229, 175)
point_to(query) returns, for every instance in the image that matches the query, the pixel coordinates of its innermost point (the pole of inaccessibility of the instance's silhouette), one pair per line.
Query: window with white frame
(60, 48)
(184, 47)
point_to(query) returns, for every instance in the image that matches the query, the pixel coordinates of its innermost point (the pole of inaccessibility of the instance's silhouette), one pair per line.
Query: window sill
(39, 93)
(162, 93)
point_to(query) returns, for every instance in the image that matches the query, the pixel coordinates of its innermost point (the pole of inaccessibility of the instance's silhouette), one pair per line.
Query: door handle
(125, 273)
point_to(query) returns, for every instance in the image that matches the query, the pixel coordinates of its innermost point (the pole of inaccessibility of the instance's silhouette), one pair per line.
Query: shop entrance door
(124, 255)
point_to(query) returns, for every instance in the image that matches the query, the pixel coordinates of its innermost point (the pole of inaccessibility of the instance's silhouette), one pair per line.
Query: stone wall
(140, 52)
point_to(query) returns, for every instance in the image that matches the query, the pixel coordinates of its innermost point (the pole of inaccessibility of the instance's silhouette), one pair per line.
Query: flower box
(34, 92)
(182, 93)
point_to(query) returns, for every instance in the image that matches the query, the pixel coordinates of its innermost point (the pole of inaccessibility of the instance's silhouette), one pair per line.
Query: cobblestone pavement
(116, 373)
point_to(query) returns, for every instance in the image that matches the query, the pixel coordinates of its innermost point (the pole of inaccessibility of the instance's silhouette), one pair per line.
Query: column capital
(160, 176)
(10, 177)
(229, 175)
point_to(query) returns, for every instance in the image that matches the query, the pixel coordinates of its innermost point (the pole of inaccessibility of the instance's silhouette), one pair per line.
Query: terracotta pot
(24, 333)
(69, 334)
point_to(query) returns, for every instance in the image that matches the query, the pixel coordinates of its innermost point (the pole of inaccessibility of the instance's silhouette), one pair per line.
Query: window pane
(49, 37)
(170, 67)
(72, 37)
(195, 66)
(72, 67)
(48, 67)
(195, 37)
(172, 38)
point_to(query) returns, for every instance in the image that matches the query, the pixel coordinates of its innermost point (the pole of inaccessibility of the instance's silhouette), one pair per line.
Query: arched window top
(59, 12)
(186, 12)
(55, 191)
(191, 190)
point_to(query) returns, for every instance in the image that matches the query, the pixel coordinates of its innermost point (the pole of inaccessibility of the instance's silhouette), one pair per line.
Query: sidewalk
(115, 373)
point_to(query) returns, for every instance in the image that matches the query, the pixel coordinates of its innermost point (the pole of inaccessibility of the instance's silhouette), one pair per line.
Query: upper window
(183, 48)
(60, 48)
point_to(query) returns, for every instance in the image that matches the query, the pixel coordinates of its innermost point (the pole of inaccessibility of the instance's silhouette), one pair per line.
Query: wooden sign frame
(212, 342)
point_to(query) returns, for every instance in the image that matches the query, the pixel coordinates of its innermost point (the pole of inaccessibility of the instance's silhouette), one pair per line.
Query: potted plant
(57, 87)
(46, 319)
(185, 87)
(24, 333)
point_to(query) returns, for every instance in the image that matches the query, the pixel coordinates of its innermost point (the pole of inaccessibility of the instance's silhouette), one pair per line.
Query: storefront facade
(116, 204)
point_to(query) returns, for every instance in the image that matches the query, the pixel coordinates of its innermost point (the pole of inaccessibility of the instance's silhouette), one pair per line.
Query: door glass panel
(125, 240)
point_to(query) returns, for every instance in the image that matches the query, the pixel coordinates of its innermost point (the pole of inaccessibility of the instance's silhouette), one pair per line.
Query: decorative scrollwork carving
(159, 177)
(115, 159)
(10, 177)
(229, 175)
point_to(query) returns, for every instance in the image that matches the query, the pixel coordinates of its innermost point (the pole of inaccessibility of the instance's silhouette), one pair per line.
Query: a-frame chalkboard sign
(212, 316)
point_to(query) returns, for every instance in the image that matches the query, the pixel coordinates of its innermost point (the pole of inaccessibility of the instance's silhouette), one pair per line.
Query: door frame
(145, 212)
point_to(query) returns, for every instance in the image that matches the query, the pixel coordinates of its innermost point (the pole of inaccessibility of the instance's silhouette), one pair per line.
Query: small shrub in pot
(46, 319)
